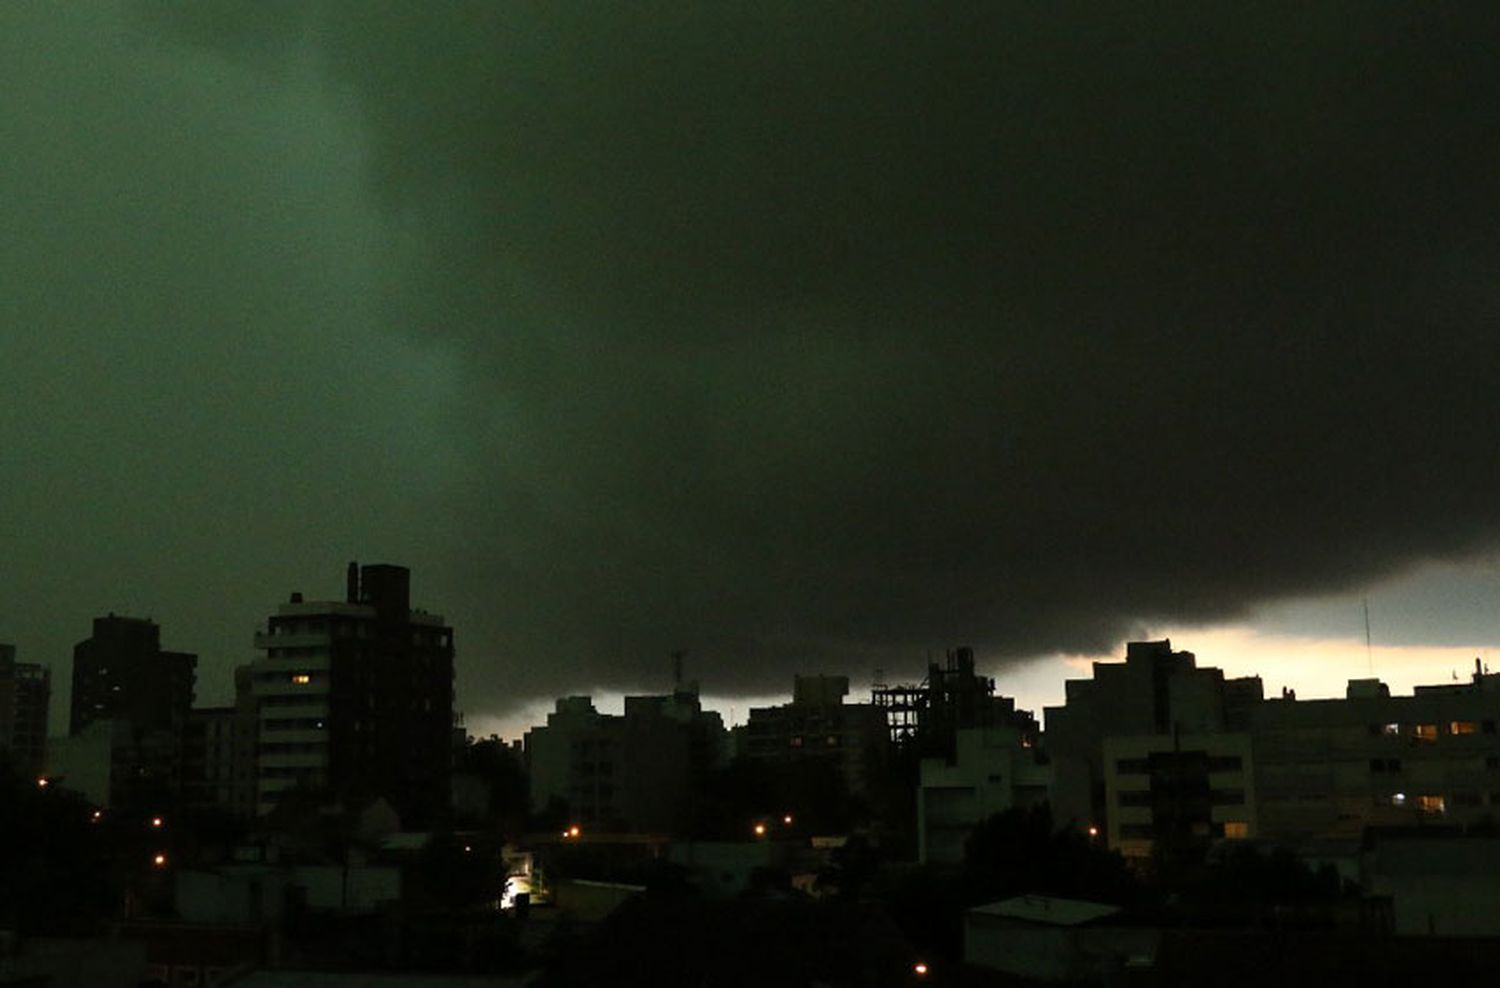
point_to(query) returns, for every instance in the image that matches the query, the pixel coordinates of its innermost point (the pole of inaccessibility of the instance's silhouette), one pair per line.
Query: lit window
(1391, 729)
(1398, 799)
(1236, 829)
(1424, 732)
(301, 678)
(1463, 727)
(1431, 804)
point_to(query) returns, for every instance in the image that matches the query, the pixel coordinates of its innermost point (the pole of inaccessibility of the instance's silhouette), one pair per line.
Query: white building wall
(992, 772)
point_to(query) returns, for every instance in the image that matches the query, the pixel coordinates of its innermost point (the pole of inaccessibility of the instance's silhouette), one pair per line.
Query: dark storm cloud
(797, 333)
(196, 415)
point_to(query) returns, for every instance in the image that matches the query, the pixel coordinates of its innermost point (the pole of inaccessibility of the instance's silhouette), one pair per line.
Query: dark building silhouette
(219, 753)
(818, 726)
(1153, 752)
(354, 698)
(632, 772)
(122, 675)
(927, 717)
(25, 691)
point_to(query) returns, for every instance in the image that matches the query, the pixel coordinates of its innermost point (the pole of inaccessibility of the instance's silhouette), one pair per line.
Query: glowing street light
(1093, 831)
(760, 830)
(919, 969)
(97, 816)
(43, 782)
(572, 832)
(156, 822)
(160, 860)
(787, 819)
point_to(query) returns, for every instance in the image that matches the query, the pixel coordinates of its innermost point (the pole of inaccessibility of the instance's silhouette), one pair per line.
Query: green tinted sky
(788, 335)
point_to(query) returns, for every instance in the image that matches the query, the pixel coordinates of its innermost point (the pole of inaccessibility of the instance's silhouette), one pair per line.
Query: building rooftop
(1047, 909)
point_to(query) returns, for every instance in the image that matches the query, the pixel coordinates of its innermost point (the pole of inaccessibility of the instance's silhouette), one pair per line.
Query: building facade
(122, 674)
(25, 692)
(219, 767)
(994, 769)
(1179, 791)
(634, 772)
(818, 726)
(1158, 753)
(1328, 769)
(354, 698)
(1155, 691)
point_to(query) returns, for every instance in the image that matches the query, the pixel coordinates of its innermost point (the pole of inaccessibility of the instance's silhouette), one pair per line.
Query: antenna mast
(1369, 650)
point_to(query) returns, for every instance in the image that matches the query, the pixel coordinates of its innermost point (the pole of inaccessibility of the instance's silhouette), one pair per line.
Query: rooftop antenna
(1369, 650)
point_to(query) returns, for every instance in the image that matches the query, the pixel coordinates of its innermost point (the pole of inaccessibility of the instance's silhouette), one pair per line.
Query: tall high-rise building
(121, 674)
(355, 698)
(25, 691)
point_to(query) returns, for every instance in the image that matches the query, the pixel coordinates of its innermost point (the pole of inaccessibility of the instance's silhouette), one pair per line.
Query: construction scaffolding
(927, 715)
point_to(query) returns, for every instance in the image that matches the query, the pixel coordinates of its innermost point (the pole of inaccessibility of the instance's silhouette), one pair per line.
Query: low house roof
(1048, 910)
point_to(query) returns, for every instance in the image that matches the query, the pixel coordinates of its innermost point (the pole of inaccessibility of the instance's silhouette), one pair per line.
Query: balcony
(265, 640)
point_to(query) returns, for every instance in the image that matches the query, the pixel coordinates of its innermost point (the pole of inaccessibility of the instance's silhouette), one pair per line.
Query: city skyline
(1313, 666)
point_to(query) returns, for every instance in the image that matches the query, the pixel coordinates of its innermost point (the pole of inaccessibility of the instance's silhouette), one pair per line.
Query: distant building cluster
(344, 776)
(1158, 755)
(351, 699)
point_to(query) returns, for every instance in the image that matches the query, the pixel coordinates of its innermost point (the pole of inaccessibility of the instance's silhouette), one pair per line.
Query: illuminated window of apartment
(1390, 729)
(1236, 829)
(1463, 727)
(1431, 804)
(1398, 799)
(797, 741)
(301, 678)
(1424, 732)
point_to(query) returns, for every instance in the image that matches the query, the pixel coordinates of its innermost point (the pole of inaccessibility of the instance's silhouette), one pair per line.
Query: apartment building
(354, 698)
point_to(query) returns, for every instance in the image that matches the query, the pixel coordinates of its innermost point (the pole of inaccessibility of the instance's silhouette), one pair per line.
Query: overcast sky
(796, 336)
